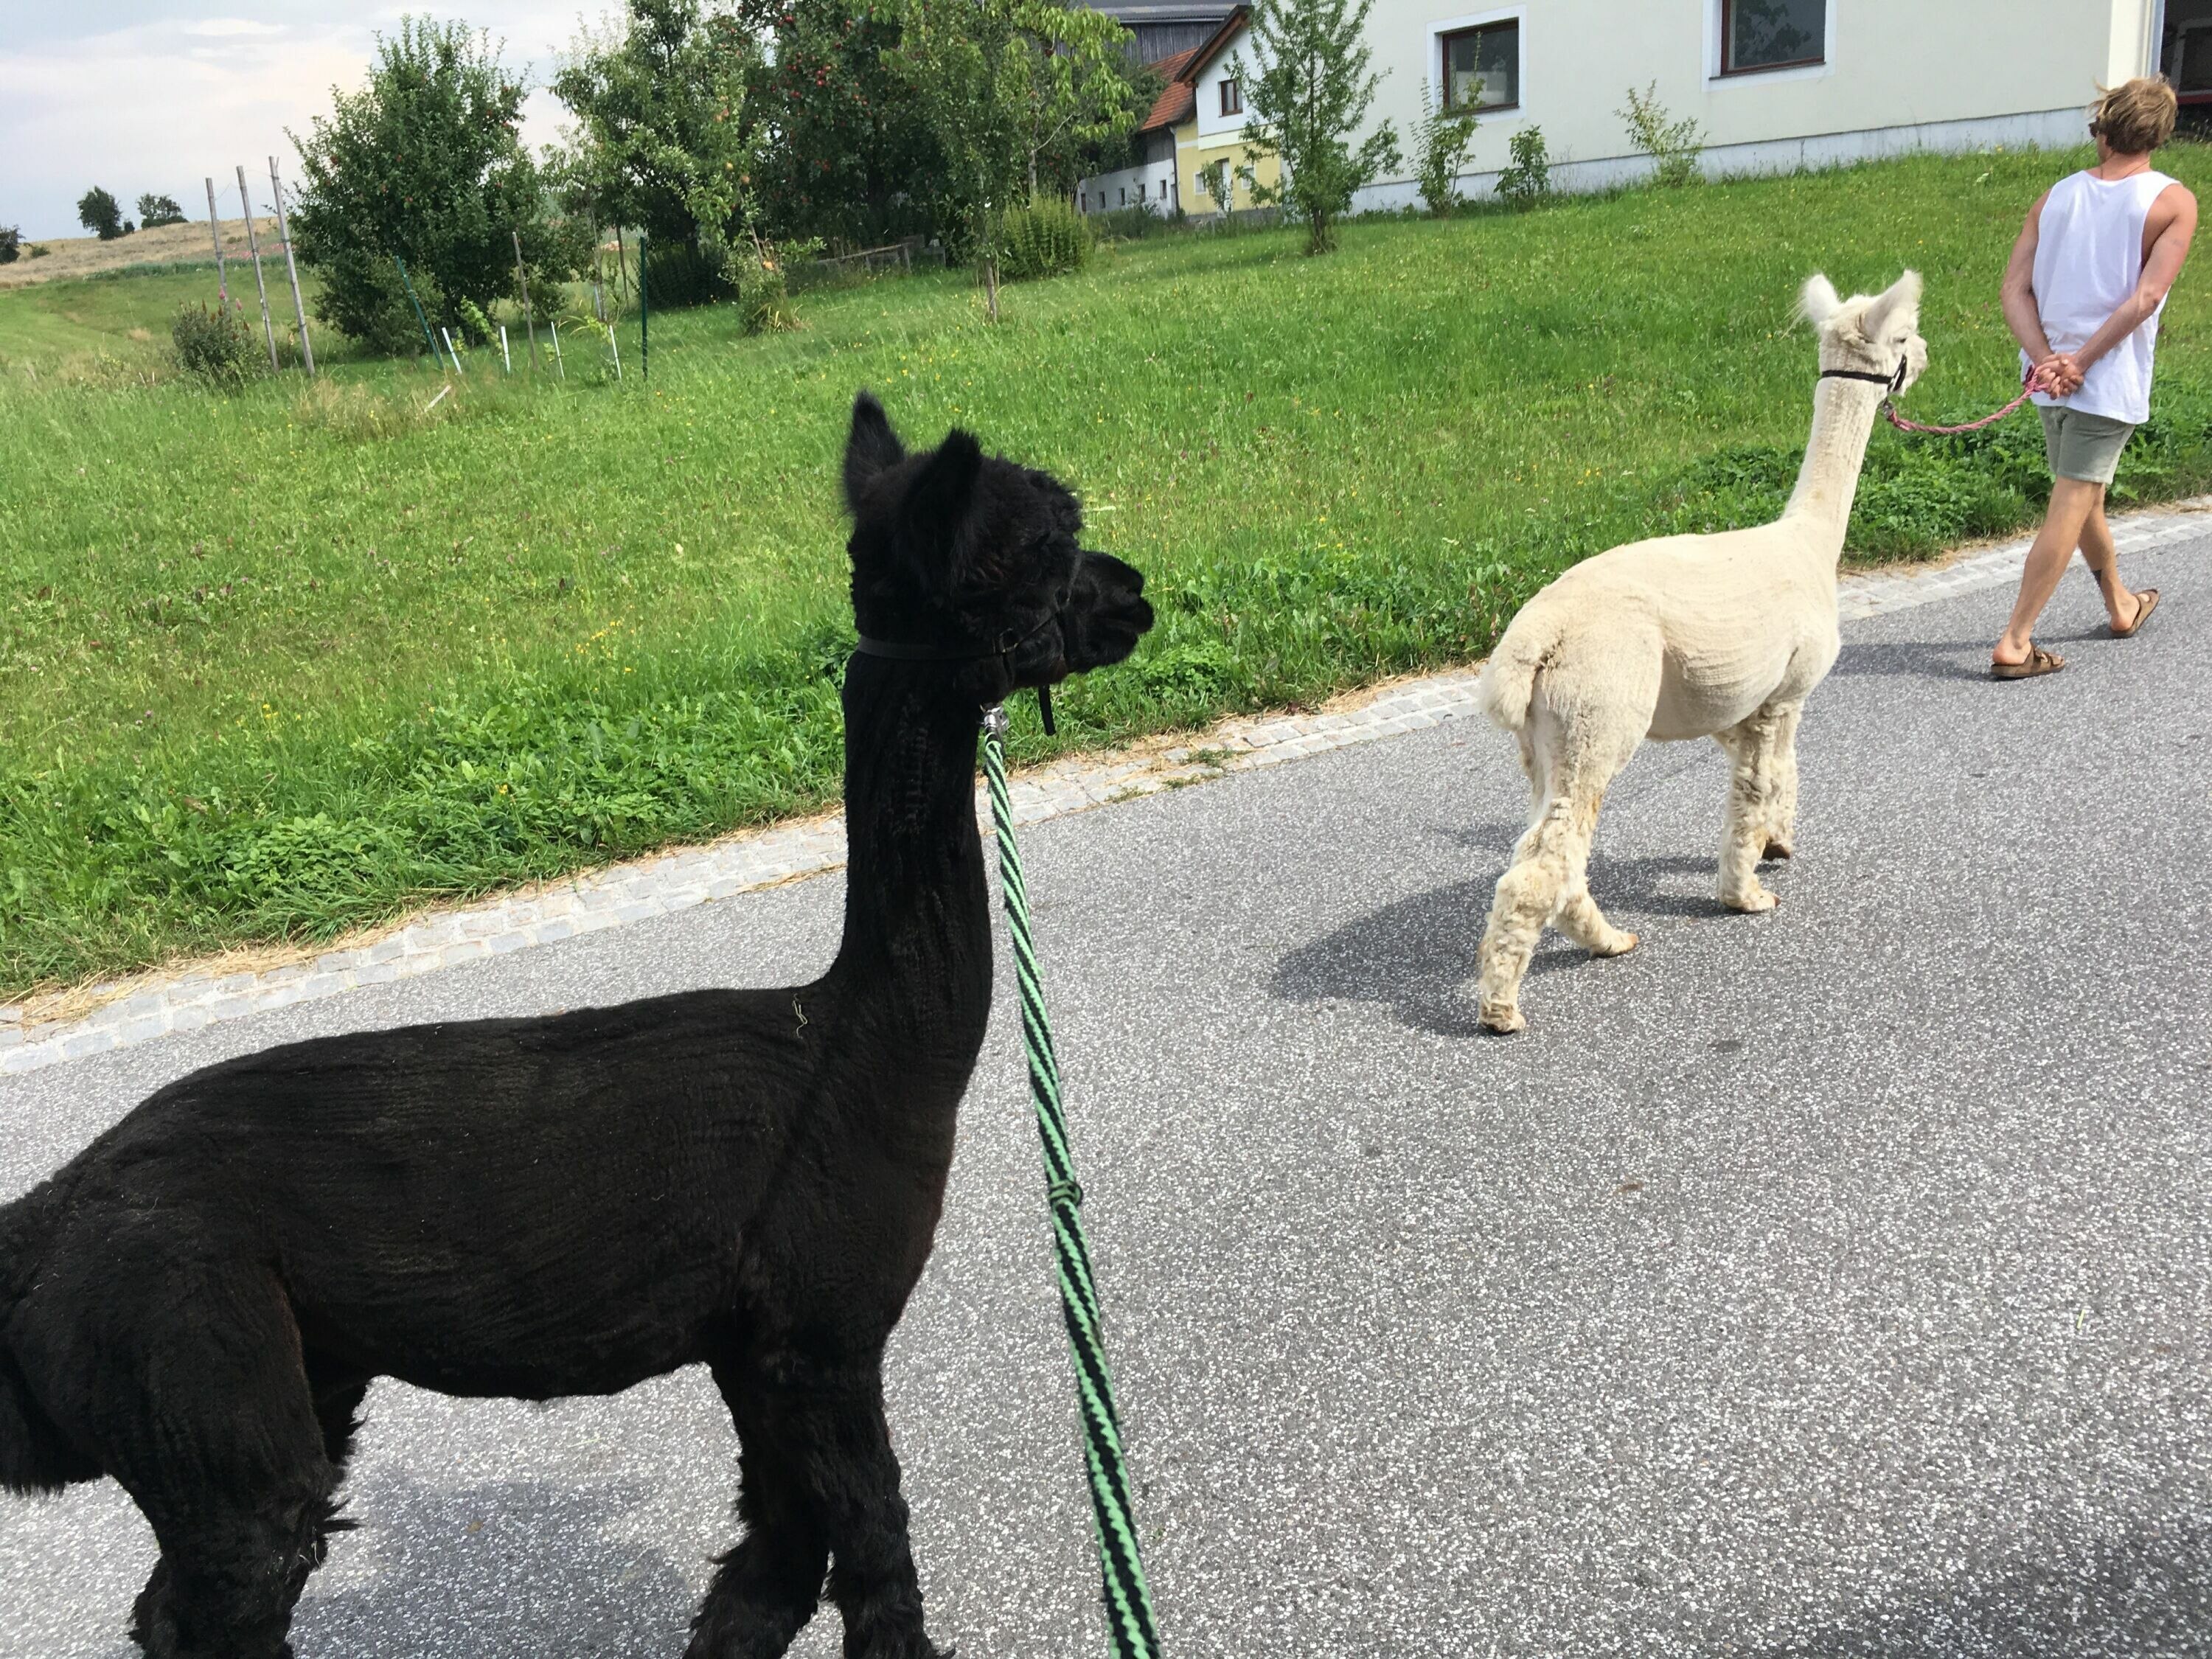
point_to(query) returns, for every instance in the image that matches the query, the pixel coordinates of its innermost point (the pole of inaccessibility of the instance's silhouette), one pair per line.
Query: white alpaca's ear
(1819, 302)
(1895, 311)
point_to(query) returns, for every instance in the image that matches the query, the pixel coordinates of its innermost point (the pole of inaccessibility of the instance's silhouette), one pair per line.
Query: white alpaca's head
(1868, 332)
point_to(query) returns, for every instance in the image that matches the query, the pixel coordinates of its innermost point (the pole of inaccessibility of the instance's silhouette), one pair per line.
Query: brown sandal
(2146, 602)
(2036, 663)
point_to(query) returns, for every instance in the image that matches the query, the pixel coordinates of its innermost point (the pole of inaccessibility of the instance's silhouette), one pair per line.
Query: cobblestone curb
(677, 881)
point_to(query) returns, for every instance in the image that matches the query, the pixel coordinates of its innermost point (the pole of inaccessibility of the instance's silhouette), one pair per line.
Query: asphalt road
(1837, 1282)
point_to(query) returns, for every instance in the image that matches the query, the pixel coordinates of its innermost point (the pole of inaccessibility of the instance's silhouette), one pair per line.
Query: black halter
(1894, 382)
(1009, 642)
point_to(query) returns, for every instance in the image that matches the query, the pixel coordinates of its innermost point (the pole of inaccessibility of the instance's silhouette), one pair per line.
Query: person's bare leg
(2103, 558)
(2072, 502)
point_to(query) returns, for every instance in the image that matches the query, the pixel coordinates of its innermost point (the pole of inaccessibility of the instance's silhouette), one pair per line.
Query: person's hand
(2068, 373)
(2045, 376)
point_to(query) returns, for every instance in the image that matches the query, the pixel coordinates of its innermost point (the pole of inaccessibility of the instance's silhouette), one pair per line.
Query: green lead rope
(1128, 1602)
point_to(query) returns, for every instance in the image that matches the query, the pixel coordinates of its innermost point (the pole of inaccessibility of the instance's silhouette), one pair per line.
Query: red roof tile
(1170, 106)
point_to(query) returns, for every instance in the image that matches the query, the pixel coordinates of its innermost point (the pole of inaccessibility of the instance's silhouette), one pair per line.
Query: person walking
(2088, 279)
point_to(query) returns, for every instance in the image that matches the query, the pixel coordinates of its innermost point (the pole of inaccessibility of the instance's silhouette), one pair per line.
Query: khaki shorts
(2082, 446)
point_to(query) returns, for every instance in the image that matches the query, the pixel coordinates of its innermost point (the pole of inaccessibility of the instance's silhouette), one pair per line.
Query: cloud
(166, 102)
(225, 26)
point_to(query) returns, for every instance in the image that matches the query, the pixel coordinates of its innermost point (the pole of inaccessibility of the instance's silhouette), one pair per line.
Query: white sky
(139, 95)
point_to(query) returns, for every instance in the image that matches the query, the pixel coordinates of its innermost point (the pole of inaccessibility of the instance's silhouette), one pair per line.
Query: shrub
(1131, 224)
(1045, 238)
(423, 163)
(474, 322)
(759, 276)
(676, 273)
(1526, 179)
(11, 244)
(214, 345)
(155, 211)
(98, 212)
(1673, 146)
(1440, 142)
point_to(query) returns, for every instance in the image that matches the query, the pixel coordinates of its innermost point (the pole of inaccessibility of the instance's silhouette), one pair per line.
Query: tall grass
(276, 663)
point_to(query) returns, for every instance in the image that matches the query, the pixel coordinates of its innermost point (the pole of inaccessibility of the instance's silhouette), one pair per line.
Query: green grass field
(280, 662)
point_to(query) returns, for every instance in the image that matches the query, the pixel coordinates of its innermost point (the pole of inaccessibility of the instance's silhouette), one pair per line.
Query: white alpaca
(1688, 636)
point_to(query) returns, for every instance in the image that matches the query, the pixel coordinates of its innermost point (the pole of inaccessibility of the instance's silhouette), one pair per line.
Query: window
(1482, 68)
(1232, 97)
(1765, 34)
(1125, 195)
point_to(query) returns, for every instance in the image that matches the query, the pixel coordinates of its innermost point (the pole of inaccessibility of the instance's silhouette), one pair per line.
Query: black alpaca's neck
(917, 908)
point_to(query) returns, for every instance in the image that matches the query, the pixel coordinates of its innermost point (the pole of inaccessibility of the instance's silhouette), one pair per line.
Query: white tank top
(2088, 258)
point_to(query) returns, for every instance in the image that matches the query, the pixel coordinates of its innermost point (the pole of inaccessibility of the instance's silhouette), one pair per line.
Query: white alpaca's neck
(1842, 421)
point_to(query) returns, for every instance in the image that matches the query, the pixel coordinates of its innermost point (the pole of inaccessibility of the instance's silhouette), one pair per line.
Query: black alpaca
(530, 1208)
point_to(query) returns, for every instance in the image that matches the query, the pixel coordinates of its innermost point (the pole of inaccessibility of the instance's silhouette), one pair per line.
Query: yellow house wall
(1193, 153)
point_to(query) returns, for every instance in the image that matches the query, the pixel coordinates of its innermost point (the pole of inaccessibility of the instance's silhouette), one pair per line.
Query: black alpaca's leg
(831, 1423)
(766, 1589)
(337, 1403)
(227, 1581)
(205, 1417)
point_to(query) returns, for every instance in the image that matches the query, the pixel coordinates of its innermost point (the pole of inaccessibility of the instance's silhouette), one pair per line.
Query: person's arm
(2168, 251)
(2021, 312)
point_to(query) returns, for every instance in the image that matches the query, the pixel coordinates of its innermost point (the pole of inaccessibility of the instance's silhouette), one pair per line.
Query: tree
(155, 211)
(11, 244)
(1216, 180)
(1440, 142)
(666, 143)
(1013, 90)
(851, 149)
(1308, 96)
(423, 163)
(99, 212)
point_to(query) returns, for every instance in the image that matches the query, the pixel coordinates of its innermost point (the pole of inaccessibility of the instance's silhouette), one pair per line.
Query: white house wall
(1899, 75)
(1108, 192)
(1211, 123)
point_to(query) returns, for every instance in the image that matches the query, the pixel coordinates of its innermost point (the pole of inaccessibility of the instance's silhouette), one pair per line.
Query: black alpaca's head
(970, 556)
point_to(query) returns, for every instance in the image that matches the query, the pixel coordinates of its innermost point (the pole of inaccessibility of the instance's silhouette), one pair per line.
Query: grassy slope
(276, 664)
(69, 257)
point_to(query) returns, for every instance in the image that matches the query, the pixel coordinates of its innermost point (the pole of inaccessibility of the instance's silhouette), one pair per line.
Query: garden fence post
(214, 228)
(291, 270)
(644, 316)
(253, 246)
(529, 313)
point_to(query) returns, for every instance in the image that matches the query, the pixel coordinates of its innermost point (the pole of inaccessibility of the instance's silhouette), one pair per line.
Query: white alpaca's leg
(1527, 895)
(1782, 821)
(1581, 920)
(1752, 794)
(1545, 881)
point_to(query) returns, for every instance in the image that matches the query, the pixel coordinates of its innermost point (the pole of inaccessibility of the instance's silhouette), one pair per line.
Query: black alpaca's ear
(938, 501)
(871, 450)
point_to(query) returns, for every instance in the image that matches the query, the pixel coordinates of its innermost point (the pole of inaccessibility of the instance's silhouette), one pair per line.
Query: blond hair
(2136, 117)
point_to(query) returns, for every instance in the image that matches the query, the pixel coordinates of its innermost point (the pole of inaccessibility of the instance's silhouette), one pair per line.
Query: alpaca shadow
(1417, 957)
(503, 1570)
(2143, 1597)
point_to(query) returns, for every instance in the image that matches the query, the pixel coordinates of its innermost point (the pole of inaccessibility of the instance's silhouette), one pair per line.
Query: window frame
(1232, 96)
(1444, 35)
(1820, 60)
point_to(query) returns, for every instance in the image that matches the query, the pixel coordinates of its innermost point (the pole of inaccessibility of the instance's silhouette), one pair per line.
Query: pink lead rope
(1889, 413)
